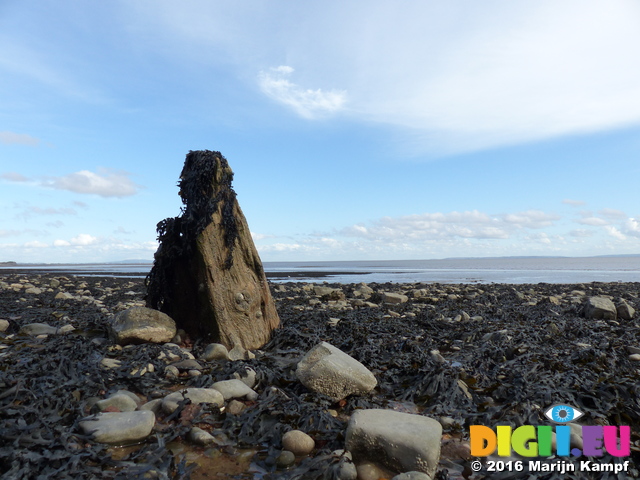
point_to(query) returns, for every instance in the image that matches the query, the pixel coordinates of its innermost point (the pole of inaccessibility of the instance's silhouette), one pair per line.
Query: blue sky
(356, 130)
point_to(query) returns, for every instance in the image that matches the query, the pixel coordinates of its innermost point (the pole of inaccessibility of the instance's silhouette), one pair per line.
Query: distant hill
(4, 264)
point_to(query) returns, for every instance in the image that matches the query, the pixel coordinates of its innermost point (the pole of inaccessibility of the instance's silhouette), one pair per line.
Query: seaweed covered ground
(463, 354)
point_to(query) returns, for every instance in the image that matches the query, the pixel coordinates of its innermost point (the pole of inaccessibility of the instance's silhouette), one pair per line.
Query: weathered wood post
(207, 274)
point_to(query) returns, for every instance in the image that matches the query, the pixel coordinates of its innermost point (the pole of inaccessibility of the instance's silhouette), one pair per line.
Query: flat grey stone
(388, 297)
(141, 325)
(328, 370)
(196, 395)
(38, 329)
(401, 441)
(119, 427)
(234, 389)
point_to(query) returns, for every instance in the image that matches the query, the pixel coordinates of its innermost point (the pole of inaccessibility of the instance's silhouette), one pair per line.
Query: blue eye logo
(563, 413)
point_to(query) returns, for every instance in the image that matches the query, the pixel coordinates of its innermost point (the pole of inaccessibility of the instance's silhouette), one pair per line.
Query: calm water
(457, 270)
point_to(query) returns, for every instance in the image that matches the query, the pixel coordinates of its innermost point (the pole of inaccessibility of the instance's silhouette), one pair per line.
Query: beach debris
(600, 308)
(400, 441)
(207, 274)
(142, 325)
(328, 370)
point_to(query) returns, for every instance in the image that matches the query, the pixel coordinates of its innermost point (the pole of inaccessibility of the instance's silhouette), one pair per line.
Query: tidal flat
(491, 354)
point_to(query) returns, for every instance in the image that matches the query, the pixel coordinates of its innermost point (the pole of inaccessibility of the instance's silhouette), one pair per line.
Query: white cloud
(61, 243)
(12, 138)
(105, 183)
(305, 102)
(531, 219)
(593, 221)
(614, 232)
(84, 239)
(35, 244)
(632, 227)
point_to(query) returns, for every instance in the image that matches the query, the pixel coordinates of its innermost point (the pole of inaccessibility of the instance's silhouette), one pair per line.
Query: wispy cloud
(433, 226)
(105, 183)
(14, 177)
(453, 76)
(305, 102)
(12, 138)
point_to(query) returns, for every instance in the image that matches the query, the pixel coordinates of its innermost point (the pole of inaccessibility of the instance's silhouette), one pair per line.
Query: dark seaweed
(504, 369)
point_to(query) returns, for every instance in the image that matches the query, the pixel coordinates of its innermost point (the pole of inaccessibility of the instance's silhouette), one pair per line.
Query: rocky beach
(78, 401)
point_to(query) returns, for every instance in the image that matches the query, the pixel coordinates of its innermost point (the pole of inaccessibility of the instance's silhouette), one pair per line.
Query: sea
(511, 270)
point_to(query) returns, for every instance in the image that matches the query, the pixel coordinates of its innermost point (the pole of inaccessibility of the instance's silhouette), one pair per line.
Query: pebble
(235, 407)
(215, 351)
(298, 442)
(635, 357)
(201, 437)
(235, 388)
(247, 376)
(285, 459)
(4, 325)
(196, 395)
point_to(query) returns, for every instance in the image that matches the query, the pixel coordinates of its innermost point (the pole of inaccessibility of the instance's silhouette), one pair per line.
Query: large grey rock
(400, 441)
(328, 370)
(119, 427)
(142, 325)
(599, 308)
(235, 388)
(624, 310)
(196, 395)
